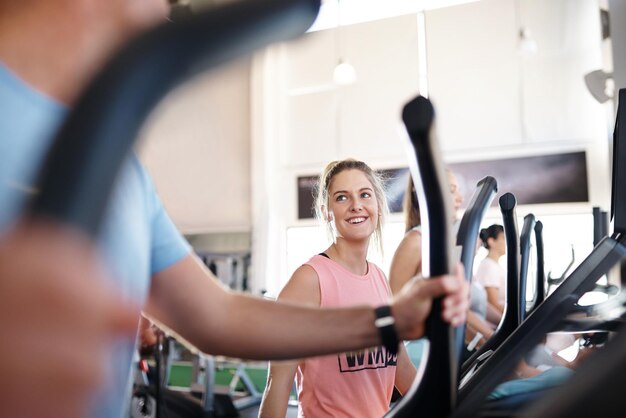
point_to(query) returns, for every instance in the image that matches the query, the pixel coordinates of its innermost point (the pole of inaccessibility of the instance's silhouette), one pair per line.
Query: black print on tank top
(371, 358)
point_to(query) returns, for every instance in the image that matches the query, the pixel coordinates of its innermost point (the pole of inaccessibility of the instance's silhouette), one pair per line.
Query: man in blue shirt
(69, 308)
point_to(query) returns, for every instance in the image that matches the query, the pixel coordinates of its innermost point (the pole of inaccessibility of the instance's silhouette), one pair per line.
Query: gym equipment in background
(525, 251)
(596, 388)
(540, 291)
(510, 319)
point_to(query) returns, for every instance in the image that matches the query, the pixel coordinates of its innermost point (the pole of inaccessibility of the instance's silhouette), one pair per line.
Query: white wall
(490, 93)
(473, 74)
(197, 147)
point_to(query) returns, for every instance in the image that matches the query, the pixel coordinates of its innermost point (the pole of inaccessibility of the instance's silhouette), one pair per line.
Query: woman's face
(498, 244)
(352, 205)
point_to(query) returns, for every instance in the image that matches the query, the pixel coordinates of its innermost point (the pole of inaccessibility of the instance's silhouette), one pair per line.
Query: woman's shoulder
(413, 235)
(302, 286)
(412, 241)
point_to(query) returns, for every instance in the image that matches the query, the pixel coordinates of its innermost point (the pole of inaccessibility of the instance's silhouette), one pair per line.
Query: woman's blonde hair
(378, 184)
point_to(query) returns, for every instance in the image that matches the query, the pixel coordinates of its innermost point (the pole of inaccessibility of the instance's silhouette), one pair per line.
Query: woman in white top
(490, 273)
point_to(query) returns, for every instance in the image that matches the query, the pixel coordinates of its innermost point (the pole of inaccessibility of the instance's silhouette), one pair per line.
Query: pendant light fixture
(344, 73)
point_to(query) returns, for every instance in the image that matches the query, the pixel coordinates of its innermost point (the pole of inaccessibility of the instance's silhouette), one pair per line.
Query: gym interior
(514, 82)
(524, 92)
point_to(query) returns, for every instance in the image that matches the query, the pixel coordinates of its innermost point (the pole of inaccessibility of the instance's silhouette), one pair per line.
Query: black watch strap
(386, 327)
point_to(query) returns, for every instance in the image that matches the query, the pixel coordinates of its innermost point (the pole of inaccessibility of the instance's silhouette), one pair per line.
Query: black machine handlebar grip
(435, 395)
(509, 221)
(510, 319)
(541, 274)
(82, 165)
(467, 235)
(525, 243)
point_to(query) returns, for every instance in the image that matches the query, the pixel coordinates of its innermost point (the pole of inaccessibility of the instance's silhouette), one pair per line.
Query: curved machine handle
(510, 319)
(541, 274)
(467, 235)
(435, 395)
(81, 167)
(525, 244)
(509, 219)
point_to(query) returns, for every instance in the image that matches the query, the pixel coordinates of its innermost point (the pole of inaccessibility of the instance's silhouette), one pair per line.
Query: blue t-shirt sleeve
(168, 246)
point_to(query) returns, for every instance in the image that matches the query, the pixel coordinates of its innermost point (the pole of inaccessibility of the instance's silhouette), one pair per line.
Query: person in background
(482, 317)
(407, 261)
(351, 202)
(490, 273)
(457, 197)
(69, 308)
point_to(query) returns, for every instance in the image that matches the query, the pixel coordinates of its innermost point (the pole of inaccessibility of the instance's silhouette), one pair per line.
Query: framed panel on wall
(540, 179)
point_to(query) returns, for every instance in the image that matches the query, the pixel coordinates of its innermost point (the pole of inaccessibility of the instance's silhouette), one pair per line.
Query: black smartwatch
(385, 323)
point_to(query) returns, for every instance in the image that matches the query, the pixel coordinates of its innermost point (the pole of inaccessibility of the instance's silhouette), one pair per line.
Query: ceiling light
(527, 45)
(344, 73)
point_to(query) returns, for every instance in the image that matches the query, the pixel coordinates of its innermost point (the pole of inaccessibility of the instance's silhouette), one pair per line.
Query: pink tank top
(355, 384)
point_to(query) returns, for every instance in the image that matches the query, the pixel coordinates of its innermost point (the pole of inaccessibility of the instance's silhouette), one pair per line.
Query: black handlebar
(510, 319)
(470, 223)
(541, 275)
(435, 395)
(509, 221)
(525, 244)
